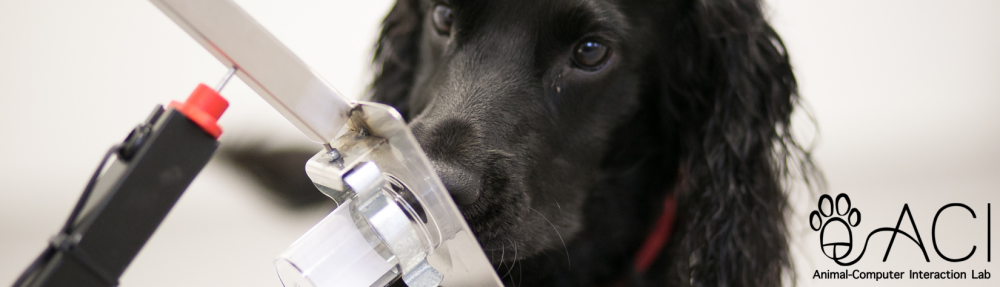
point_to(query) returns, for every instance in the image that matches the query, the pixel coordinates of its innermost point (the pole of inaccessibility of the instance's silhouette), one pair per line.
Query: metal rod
(266, 65)
(222, 84)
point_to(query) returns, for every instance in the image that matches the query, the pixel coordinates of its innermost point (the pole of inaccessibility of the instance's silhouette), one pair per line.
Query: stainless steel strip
(264, 64)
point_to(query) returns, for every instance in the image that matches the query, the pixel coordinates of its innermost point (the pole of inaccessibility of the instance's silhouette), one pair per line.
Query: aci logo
(830, 215)
(840, 217)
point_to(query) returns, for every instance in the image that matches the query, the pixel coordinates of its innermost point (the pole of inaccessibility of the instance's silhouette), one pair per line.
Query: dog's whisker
(502, 251)
(569, 263)
(520, 269)
(493, 253)
(515, 259)
(558, 206)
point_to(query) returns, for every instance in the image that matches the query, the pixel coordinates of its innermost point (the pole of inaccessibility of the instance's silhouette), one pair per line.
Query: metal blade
(263, 63)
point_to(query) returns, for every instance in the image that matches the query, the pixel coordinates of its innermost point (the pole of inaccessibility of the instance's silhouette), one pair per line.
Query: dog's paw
(839, 242)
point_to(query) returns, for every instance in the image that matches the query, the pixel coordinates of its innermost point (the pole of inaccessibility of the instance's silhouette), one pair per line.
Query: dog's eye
(442, 19)
(590, 54)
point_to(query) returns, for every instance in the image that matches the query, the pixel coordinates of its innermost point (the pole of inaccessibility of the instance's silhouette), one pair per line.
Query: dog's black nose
(461, 183)
(449, 144)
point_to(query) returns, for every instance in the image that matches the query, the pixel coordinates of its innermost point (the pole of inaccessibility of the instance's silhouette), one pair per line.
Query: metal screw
(334, 153)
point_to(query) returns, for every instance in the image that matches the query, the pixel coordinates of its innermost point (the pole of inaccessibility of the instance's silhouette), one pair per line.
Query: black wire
(68, 227)
(87, 190)
(28, 273)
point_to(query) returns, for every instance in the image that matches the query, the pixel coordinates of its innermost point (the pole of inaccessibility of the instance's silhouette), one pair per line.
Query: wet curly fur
(561, 171)
(559, 163)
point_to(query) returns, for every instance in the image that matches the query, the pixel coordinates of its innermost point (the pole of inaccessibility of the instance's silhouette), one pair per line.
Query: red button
(204, 106)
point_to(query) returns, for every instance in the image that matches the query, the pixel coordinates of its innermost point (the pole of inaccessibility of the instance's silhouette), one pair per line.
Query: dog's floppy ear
(730, 92)
(396, 54)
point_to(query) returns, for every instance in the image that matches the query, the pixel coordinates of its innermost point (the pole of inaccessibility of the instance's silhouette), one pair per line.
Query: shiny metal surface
(378, 135)
(264, 64)
(391, 225)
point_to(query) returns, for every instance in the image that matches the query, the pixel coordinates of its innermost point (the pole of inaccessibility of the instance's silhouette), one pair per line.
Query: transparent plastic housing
(348, 259)
(394, 216)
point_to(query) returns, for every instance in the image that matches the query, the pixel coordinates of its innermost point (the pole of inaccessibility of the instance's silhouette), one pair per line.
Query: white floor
(906, 94)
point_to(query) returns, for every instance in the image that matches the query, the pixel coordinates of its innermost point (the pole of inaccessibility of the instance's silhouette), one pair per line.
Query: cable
(67, 229)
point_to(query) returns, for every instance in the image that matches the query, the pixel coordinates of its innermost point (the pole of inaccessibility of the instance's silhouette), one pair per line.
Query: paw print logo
(838, 242)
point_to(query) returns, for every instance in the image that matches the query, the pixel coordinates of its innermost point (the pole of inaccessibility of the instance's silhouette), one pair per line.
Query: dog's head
(531, 109)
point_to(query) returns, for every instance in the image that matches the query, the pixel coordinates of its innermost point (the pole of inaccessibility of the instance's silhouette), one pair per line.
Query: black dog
(560, 128)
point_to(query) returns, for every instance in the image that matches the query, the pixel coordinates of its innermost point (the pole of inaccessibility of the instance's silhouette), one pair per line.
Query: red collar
(654, 242)
(656, 239)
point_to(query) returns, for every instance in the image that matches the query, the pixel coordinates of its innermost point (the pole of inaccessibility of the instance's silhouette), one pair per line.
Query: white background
(906, 95)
